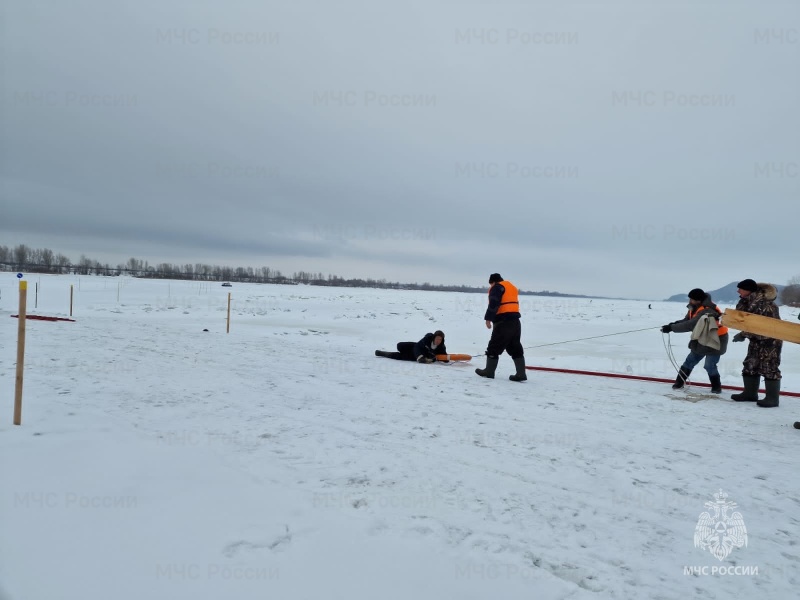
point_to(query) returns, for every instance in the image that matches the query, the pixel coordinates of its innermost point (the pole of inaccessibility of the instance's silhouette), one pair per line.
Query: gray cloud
(618, 149)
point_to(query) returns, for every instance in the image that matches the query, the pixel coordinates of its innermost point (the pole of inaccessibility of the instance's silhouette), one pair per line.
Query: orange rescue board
(446, 357)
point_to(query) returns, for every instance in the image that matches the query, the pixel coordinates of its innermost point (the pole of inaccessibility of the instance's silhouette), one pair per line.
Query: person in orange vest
(503, 313)
(700, 304)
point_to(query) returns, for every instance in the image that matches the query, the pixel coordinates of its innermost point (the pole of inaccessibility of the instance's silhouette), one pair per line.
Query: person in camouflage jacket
(763, 354)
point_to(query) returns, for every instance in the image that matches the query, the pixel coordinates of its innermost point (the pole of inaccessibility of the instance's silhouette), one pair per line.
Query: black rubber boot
(773, 388)
(683, 375)
(520, 375)
(394, 355)
(491, 367)
(716, 384)
(750, 393)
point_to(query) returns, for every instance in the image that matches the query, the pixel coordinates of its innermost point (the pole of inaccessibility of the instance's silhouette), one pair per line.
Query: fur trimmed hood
(770, 291)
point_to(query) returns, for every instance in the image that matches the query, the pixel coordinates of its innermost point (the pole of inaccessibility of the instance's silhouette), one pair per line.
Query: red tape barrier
(43, 318)
(643, 378)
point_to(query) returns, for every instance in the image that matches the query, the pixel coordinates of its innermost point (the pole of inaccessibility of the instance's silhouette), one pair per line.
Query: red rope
(43, 318)
(643, 378)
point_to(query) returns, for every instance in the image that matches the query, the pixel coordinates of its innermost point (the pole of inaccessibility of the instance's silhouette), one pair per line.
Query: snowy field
(284, 460)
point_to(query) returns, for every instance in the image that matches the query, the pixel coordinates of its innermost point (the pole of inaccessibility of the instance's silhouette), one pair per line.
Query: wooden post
(228, 329)
(760, 325)
(118, 292)
(70, 299)
(23, 311)
(36, 296)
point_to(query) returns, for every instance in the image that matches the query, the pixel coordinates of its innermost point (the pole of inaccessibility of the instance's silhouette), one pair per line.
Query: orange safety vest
(510, 301)
(721, 329)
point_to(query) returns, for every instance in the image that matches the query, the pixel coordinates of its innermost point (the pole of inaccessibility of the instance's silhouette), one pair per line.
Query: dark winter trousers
(712, 360)
(405, 351)
(506, 337)
(763, 358)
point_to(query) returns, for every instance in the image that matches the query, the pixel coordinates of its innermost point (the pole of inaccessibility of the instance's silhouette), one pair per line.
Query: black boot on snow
(750, 393)
(773, 388)
(683, 375)
(520, 375)
(716, 384)
(491, 367)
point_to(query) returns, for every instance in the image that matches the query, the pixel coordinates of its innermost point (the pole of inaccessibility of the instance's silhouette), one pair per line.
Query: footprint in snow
(278, 544)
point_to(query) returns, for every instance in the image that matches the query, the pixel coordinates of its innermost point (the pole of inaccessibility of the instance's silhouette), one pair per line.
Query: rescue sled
(447, 357)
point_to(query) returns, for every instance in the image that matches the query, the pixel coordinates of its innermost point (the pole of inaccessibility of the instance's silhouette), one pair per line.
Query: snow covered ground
(284, 460)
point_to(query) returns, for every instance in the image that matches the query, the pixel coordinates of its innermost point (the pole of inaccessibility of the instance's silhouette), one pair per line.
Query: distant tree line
(43, 260)
(790, 295)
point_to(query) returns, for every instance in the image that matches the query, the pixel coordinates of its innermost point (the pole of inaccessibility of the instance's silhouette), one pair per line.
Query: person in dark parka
(423, 351)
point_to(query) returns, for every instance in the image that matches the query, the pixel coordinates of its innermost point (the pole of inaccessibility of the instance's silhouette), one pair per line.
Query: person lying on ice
(710, 342)
(423, 351)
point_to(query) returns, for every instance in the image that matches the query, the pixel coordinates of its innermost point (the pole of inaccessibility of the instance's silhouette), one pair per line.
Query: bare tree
(34, 258)
(63, 263)
(21, 255)
(790, 295)
(84, 265)
(47, 259)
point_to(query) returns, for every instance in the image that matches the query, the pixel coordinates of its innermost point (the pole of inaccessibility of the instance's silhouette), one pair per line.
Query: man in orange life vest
(503, 312)
(700, 304)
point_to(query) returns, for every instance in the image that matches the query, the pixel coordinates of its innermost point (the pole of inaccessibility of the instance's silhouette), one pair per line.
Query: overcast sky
(634, 149)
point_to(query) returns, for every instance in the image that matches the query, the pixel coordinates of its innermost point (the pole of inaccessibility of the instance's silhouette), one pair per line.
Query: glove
(425, 359)
(739, 337)
(666, 329)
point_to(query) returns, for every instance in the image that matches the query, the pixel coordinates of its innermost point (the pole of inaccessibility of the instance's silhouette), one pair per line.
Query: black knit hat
(748, 285)
(697, 294)
(495, 278)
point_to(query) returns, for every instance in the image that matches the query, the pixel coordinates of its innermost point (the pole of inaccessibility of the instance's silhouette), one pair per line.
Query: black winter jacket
(424, 347)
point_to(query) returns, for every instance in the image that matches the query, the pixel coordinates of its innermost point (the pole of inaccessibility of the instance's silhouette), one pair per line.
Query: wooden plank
(23, 309)
(760, 325)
